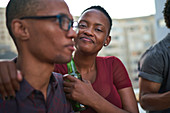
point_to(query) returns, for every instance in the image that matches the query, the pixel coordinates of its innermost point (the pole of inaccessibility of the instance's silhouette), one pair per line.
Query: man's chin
(65, 60)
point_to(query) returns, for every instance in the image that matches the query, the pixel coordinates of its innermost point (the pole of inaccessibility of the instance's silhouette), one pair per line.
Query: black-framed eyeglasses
(65, 23)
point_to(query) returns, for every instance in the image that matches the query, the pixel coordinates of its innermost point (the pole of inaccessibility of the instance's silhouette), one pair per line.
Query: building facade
(161, 29)
(7, 47)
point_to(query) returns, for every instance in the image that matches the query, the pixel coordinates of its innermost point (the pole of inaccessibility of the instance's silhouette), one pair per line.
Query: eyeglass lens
(65, 23)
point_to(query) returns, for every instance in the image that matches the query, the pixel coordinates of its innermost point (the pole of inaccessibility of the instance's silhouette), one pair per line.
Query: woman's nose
(88, 32)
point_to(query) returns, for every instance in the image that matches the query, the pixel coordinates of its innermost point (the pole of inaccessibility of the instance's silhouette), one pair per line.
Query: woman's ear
(19, 29)
(107, 41)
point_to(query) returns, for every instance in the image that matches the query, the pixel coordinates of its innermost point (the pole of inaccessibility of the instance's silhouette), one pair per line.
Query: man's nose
(71, 33)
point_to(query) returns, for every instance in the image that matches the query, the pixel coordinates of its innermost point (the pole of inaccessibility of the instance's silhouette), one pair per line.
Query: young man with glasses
(42, 31)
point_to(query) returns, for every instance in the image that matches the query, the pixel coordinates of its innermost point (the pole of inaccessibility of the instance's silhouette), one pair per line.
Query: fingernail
(18, 71)
(19, 75)
(65, 75)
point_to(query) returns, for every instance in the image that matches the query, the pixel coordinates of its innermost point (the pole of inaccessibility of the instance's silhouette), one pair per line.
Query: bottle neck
(71, 67)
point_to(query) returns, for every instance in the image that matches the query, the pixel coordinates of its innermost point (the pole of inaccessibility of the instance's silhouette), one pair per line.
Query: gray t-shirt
(154, 65)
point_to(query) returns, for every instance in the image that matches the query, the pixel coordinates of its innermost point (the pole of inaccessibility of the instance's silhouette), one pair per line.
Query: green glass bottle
(73, 71)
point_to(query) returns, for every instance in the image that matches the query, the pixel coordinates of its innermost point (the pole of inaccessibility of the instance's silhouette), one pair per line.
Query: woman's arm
(129, 103)
(128, 99)
(84, 93)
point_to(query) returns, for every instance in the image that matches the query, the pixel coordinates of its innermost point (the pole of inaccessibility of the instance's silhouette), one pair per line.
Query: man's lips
(70, 47)
(87, 39)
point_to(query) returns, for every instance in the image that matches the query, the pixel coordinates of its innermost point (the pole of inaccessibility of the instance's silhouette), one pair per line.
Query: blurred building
(7, 47)
(130, 38)
(161, 29)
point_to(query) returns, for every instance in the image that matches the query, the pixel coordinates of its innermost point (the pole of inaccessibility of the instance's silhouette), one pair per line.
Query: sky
(116, 8)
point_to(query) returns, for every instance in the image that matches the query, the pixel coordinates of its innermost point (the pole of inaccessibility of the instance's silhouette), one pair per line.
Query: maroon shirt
(29, 100)
(111, 76)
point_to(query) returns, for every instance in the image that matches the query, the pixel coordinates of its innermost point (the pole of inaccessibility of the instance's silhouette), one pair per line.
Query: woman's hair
(166, 13)
(103, 11)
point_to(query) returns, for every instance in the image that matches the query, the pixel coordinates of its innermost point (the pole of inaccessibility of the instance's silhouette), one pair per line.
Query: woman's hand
(81, 91)
(9, 79)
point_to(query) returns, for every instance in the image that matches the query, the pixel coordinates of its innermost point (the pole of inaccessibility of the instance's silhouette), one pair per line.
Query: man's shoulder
(156, 51)
(162, 45)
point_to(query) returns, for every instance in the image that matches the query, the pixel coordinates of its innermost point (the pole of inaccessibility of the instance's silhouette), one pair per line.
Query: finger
(5, 80)
(2, 89)
(12, 70)
(13, 76)
(9, 89)
(19, 75)
(67, 90)
(16, 85)
(16, 82)
(68, 84)
(86, 81)
(70, 78)
(64, 77)
(68, 95)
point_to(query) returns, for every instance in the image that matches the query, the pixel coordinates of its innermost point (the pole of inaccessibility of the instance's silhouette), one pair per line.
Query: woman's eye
(99, 30)
(82, 26)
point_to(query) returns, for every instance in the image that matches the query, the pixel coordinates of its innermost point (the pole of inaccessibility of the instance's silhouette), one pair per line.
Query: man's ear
(19, 29)
(107, 41)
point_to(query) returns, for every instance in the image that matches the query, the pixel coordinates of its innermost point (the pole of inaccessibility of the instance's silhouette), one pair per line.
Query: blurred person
(42, 32)
(154, 73)
(106, 87)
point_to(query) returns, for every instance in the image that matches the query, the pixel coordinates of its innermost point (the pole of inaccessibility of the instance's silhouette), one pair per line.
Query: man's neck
(36, 73)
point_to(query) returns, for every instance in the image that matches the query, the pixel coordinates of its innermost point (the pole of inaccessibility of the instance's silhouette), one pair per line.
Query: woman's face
(92, 32)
